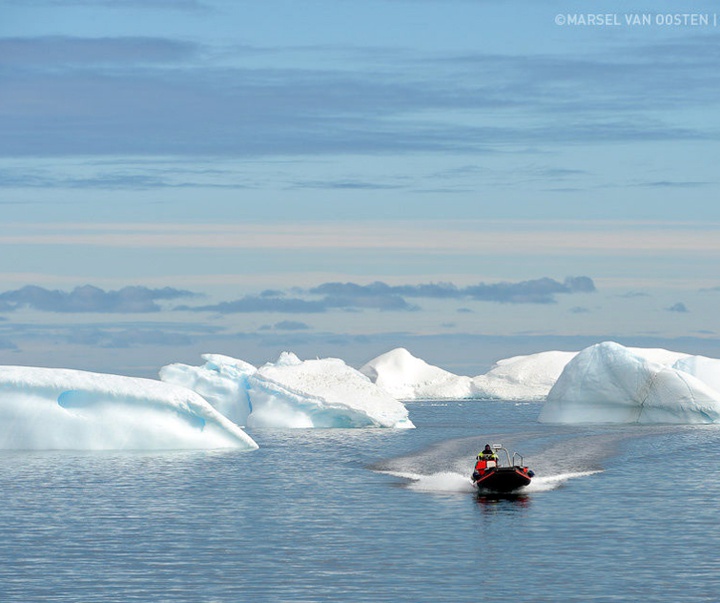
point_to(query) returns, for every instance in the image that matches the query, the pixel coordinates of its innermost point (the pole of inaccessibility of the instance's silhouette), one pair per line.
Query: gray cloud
(384, 297)
(296, 305)
(89, 299)
(678, 307)
(540, 291)
(324, 298)
(254, 303)
(290, 325)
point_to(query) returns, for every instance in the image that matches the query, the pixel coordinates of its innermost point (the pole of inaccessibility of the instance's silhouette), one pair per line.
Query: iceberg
(406, 377)
(610, 383)
(66, 409)
(222, 381)
(701, 367)
(518, 378)
(522, 377)
(291, 393)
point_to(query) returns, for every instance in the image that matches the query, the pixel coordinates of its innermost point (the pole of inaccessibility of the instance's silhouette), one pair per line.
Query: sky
(465, 178)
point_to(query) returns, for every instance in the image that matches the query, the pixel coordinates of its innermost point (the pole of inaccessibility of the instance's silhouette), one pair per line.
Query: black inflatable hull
(503, 479)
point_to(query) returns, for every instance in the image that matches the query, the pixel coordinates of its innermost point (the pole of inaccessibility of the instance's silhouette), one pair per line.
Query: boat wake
(552, 482)
(448, 482)
(444, 481)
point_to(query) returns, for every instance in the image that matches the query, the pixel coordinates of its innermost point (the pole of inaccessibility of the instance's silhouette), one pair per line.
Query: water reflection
(508, 503)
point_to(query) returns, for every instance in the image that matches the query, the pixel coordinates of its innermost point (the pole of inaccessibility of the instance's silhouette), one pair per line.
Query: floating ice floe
(610, 383)
(65, 409)
(291, 393)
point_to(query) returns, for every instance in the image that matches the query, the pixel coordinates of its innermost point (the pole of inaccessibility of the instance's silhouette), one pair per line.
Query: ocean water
(616, 513)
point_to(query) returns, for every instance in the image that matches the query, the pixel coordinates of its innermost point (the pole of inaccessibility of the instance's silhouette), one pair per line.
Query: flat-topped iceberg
(65, 409)
(610, 383)
(291, 393)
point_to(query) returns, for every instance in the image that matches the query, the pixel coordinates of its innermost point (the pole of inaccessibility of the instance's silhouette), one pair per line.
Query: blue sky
(191, 176)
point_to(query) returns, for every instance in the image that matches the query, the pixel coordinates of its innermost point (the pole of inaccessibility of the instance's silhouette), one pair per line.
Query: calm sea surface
(622, 513)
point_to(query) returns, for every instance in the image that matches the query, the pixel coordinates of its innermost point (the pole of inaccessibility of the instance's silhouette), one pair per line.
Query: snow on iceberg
(522, 377)
(406, 377)
(290, 393)
(320, 393)
(519, 378)
(609, 383)
(65, 409)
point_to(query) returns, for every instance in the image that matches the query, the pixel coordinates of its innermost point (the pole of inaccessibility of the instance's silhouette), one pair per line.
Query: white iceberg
(701, 367)
(519, 378)
(222, 381)
(65, 409)
(291, 393)
(406, 377)
(609, 383)
(522, 377)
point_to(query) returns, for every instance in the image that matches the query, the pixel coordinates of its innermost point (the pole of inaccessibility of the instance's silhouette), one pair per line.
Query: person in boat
(488, 454)
(481, 464)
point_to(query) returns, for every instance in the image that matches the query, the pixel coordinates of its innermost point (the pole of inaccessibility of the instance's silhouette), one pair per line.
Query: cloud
(88, 298)
(323, 298)
(675, 184)
(381, 296)
(290, 325)
(255, 303)
(296, 305)
(175, 5)
(633, 294)
(117, 103)
(64, 50)
(541, 290)
(538, 291)
(678, 307)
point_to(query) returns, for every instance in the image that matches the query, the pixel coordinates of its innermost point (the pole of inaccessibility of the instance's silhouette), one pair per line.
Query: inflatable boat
(496, 476)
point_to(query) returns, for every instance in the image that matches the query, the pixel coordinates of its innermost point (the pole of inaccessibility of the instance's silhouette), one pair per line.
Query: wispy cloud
(256, 303)
(52, 51)
(409, 106)
(290, 325)
(173, 5)
(511, 237)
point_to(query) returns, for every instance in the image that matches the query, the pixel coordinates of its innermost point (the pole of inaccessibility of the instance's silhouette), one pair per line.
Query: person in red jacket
(481, 463)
